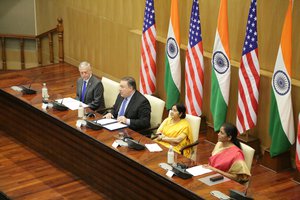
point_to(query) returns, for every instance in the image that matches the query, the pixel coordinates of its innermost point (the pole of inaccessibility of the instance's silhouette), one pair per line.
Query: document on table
(114, 126)
(16, 88)
(105, 121)
(71, 103)
(153, 147)
(198, 170)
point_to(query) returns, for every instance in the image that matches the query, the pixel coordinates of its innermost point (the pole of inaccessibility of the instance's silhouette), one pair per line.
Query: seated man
(89, 88)
(131, 107)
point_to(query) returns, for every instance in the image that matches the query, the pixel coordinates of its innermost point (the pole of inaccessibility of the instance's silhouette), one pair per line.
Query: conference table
(119, 173)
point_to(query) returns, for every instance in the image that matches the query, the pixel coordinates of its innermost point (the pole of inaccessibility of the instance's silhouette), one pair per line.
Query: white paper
(198, 170)
(122, 143)
(153, 147)
(44, 106)
(170, 173)
(16, 88)
(165, 166)
(115, 126)
(106, 121)
(71, 103)
(78, 123)
(115, 144)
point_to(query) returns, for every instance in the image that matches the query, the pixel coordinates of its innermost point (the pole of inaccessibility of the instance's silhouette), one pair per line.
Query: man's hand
(122, 119)
(108, 116)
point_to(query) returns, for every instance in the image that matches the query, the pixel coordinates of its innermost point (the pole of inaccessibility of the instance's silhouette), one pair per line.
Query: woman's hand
(155, 136)
(207, 166)
(160, 137)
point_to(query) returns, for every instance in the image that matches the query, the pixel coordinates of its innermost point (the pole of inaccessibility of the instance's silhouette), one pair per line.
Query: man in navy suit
(89, 88)
(131, 107)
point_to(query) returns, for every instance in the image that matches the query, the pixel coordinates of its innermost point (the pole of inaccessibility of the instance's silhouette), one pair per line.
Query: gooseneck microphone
(27, 90)
(59, 105)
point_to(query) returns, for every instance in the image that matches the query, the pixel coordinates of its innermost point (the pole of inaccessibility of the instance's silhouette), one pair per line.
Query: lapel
(79, 89)
(132, 101)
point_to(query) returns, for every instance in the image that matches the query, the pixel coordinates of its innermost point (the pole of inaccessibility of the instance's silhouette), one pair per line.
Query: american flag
(194, 65)
(249, 76)
(298, 146)
(148, 51)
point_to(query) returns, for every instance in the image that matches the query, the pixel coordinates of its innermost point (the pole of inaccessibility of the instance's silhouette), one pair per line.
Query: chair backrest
(111, 91)
(248, 154)
(195, 126)
(157, 109)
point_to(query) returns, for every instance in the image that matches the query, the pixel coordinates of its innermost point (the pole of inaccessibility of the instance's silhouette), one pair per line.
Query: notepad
(114, 126)
(71, 103)
(198, 170)
(105, 121)
(153, 147)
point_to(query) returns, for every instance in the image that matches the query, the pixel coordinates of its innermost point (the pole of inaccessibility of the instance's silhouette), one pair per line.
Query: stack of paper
(71, 103)
(198, 170)
(153, 147)
(106, 121)
(114, 126)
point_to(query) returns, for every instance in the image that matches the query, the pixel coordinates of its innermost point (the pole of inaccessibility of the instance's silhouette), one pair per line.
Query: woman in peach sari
(227, 157)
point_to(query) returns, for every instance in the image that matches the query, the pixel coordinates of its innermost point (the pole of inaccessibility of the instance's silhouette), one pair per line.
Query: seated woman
(227, 157)
(175, 130)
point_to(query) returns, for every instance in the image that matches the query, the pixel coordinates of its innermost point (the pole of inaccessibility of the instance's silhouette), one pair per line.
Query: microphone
(133, 144)
(59, 106)
(27, 90)
(140, 139)
(240, 195)
(93, 125)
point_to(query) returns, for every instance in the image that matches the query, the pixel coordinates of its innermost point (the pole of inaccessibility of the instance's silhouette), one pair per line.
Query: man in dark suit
(131, 107)
(89, 88)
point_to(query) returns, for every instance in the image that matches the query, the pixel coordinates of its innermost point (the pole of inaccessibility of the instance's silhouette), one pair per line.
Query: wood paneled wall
(107, 34)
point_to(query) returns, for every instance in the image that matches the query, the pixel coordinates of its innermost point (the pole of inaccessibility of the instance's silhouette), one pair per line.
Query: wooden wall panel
(107, 34)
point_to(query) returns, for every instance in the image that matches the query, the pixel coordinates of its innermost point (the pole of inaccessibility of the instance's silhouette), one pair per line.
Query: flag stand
(211, 135)
(296, 177)
(276, 163)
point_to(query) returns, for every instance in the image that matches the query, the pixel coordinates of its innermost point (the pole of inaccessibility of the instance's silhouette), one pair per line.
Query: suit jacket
(138, 111)
(93, 94)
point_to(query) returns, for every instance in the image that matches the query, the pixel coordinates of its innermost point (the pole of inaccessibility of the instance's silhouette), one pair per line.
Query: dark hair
(231, 131)
(130, 81)
(181, 109)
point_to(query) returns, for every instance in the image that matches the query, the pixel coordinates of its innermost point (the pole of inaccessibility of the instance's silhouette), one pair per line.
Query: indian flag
(173, 67)
(220, 75)
(281, 126)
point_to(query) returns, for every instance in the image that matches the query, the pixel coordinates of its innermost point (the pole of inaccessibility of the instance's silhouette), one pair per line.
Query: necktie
(122, 110)
(83, 91)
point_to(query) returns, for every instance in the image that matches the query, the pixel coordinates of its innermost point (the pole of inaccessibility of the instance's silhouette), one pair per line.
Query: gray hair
(85, 65)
